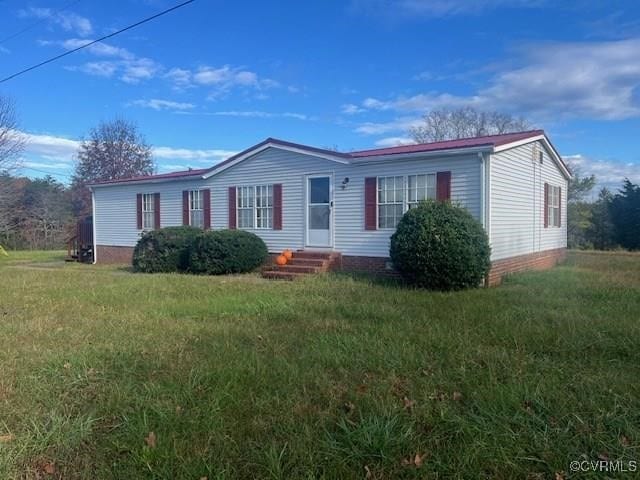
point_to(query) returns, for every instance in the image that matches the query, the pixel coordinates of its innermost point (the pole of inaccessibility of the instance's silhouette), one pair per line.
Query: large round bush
(441, 247)
(164, 250)
(226, 251)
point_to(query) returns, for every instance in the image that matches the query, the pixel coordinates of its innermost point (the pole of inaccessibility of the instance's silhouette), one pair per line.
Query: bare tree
(11, 140)
(466, 122)
(114, 150)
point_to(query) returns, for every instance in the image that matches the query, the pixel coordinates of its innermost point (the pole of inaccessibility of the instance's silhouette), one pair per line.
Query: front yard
(109, 374)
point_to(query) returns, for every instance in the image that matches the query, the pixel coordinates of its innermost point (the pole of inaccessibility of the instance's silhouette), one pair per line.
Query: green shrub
(441, 247)
(226, 251)
(164, 250)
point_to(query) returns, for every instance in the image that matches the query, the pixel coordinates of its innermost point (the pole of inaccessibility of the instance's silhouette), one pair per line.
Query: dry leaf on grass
(7, 438)
(368, 473)
(559, 475)
(624, 441)
(67, 365)
(416, 461)
(408, 404)
(150, 440)
(348, 407)
(457, 396)
(49, 468)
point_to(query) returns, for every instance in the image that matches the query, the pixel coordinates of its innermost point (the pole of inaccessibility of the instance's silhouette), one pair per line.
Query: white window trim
(553, 205)
(151, 210)
(405, 198)
(254, 207)
(201, 209)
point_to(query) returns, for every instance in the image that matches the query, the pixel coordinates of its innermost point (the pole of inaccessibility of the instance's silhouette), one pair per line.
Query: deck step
(310, 254)
(303, 262)
(299, 268)
(308, 262)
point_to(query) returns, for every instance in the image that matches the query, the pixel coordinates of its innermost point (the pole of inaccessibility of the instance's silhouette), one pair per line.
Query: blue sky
(215, 77)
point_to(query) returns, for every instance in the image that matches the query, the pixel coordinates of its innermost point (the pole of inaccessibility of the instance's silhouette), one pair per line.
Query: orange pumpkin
(281, 260)
(288, 254)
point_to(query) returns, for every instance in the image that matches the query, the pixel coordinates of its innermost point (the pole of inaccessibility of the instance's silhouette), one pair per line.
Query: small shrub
(441, 247)
(164, 250)
(226, 251)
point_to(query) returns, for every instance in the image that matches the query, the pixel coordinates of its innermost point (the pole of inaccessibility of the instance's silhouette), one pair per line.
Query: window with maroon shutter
(156, 211)
(206, 198)
(232, 208)
(559, 206)
(277, 206)
(371, 203)
(185, 207)
(546, 205)
(443, 186)
(139, 210)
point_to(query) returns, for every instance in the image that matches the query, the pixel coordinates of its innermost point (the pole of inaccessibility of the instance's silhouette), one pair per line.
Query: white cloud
(591, 80)
(159, 104)
(139, 69)
(261, 114)
(99, 49)
(68, 21)
(220, 79)
(203, 156)
(394, 141)
(4, 50)
(50, 147)
(608, 173)
(98, 69)
(395, 125)
(351, 109)
(438, 8)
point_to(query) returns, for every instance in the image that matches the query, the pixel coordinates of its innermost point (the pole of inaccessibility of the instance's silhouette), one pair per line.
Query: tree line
(42, 213)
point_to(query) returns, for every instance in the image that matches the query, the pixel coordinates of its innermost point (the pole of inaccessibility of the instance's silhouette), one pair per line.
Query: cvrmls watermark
(612, 466)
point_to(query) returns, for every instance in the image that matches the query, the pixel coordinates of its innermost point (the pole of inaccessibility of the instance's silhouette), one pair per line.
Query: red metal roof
(488, 140)
(160, 176)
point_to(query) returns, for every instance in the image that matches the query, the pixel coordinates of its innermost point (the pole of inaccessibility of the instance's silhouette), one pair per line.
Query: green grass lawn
(329, 377)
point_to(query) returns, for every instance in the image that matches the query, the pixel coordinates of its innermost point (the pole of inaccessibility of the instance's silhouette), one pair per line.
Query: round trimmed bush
(440, 247)
(164, 250)
(226, 251)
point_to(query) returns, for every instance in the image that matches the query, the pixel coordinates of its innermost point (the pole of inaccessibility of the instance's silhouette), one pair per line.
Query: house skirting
(532, 261)
(106, 254)
(379, 266)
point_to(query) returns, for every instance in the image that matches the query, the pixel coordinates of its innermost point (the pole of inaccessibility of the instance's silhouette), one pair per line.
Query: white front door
(319, 206)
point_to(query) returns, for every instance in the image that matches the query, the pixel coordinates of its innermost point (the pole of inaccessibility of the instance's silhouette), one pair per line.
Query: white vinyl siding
(196, 208)
(116, 214)
(517, 202)
(148, 211)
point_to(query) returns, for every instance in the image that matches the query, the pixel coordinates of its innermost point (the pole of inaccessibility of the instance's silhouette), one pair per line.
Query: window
(264, 206)
(553, 206)
(390, 201)
(255, 207)
(148, 211)
(421, 187)
(196, 208)
(245, 207)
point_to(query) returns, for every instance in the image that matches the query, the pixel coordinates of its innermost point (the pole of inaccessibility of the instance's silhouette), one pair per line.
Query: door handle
(331, 203)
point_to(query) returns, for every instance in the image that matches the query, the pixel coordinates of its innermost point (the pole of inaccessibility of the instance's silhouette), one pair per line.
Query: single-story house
(306, 198)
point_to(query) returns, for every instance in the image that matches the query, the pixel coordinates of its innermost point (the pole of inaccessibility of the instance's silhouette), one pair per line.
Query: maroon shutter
(185, 207)
(546, 205)
(443, 186)
(277, 206)
(139, 210)
(559, 206)
(232, 208)
(206, 198)
(370, 203)
(156, 211)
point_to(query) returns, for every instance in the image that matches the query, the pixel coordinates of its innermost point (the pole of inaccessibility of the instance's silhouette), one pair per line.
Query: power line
(44, 171)
(35, 24)
(148, 19)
